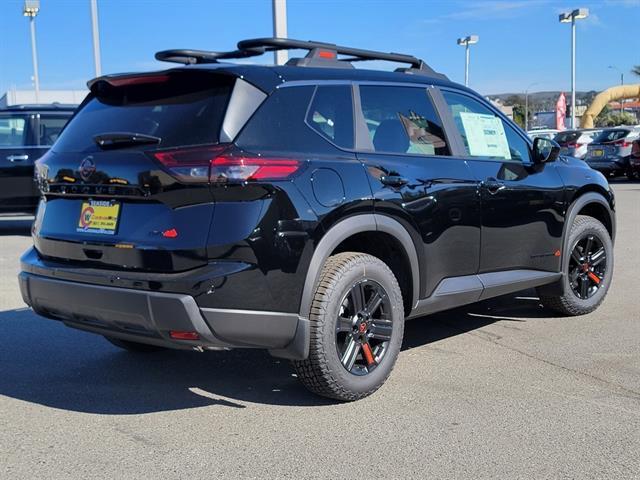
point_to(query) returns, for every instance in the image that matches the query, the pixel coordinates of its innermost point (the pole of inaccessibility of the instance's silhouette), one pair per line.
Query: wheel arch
(593, 204)
(347, 228)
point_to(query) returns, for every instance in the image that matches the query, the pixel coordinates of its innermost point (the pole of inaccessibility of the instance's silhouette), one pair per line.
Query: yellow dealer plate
(99, 216)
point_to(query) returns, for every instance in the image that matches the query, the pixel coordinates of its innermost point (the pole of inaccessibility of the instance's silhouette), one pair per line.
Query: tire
(323, 372)
(631, 174)
(570, 303)
(134, 347)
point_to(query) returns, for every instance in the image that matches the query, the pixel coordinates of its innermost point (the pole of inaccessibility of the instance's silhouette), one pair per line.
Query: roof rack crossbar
(258, 46)
(271, 44)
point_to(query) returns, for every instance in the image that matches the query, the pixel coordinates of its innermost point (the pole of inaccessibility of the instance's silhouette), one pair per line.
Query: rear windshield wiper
(112, 140)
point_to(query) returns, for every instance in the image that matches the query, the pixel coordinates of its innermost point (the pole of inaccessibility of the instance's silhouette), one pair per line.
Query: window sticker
(485, 135)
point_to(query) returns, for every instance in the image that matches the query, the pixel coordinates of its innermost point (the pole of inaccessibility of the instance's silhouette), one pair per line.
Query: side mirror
(545, 150)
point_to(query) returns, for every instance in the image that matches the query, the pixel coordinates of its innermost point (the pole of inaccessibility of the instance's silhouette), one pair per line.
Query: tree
(518, 115)
(608, 118)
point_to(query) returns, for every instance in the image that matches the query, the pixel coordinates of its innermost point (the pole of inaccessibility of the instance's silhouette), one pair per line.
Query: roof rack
(320, 55)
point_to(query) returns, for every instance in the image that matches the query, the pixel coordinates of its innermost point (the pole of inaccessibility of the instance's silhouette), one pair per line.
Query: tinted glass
(611, 135)
(567, 137)
(12, 131)
(331, 114)
(402, 120)
(50, 128)
(185, 110)
(485, 135)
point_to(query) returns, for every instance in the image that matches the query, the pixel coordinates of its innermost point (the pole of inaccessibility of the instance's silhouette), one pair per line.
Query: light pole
(96, 37)
(613, 67)
(526, 106)
(465, 42)
(31, 9)
(280, 28)
(571, 17)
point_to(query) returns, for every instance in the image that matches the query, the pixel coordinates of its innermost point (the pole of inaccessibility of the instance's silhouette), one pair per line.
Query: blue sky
(521, 41)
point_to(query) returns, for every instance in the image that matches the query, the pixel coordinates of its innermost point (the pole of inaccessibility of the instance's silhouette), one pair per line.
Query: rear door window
(50, 127)
(13, 131)
(331, 114)
(181, 109)
(402, 120)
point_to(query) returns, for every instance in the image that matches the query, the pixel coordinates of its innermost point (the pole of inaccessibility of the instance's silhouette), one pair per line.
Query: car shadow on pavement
(44, 362)
(15, 226)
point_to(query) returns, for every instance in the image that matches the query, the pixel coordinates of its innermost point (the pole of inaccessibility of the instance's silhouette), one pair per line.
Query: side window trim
(497, 113)
(456, 145)
(363, 141)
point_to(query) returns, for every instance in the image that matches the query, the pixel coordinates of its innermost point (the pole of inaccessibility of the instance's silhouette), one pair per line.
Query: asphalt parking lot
(502, 389)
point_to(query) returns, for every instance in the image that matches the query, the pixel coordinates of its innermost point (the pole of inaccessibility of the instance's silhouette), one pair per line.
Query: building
(27, 97)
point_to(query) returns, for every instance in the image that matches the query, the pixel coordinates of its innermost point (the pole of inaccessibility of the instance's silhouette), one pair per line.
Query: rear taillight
(224, 164)
(622, 143)
(574, 145)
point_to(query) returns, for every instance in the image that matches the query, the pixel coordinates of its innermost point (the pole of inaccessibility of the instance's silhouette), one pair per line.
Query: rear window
(13, 131)
(181, 109)
(611, 135)
(567, 137)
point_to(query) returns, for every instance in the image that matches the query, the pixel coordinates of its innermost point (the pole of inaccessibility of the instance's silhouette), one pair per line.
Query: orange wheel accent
(368, 354)
(594, 277)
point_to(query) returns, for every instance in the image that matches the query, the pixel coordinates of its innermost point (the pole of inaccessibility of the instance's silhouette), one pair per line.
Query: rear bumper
(608, 166)
(148, 317)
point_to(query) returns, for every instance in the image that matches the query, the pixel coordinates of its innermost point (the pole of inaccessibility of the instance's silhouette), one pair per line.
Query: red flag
(561, 112)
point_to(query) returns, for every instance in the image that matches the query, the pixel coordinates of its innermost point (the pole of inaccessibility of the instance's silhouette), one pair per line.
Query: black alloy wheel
(587, 266)
(364, 327)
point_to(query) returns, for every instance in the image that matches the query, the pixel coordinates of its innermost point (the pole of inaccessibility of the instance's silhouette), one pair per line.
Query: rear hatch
(609, 143)
(112, 198)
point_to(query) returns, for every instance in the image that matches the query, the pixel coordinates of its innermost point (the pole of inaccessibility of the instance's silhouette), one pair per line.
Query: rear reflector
(224, 164)
(180, 335)
(173, 233)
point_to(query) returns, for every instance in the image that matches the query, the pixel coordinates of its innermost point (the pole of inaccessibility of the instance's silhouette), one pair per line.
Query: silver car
(609, 152)
(573, 143)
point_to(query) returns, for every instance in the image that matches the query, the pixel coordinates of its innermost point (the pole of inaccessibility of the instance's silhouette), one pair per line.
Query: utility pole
(96, 37)
(526, 106)
(280, 29)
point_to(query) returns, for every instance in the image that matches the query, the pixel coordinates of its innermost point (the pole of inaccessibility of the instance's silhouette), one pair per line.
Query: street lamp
(526, 105)
(31, 9)
(613, 67)
(465, 42)
(571, 17)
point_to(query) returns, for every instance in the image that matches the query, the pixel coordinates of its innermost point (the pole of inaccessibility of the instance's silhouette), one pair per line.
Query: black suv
(307, 209)
(26, 133)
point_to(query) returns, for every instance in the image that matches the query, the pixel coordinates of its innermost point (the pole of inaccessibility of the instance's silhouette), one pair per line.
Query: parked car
(573, 142)
(306, 209)
(26, 133)
(609, 152)
(548, 133)
(634, 160)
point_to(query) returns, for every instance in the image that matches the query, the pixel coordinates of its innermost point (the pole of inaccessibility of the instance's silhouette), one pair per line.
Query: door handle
(393, 180)
(18, 158)
(493, 185)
